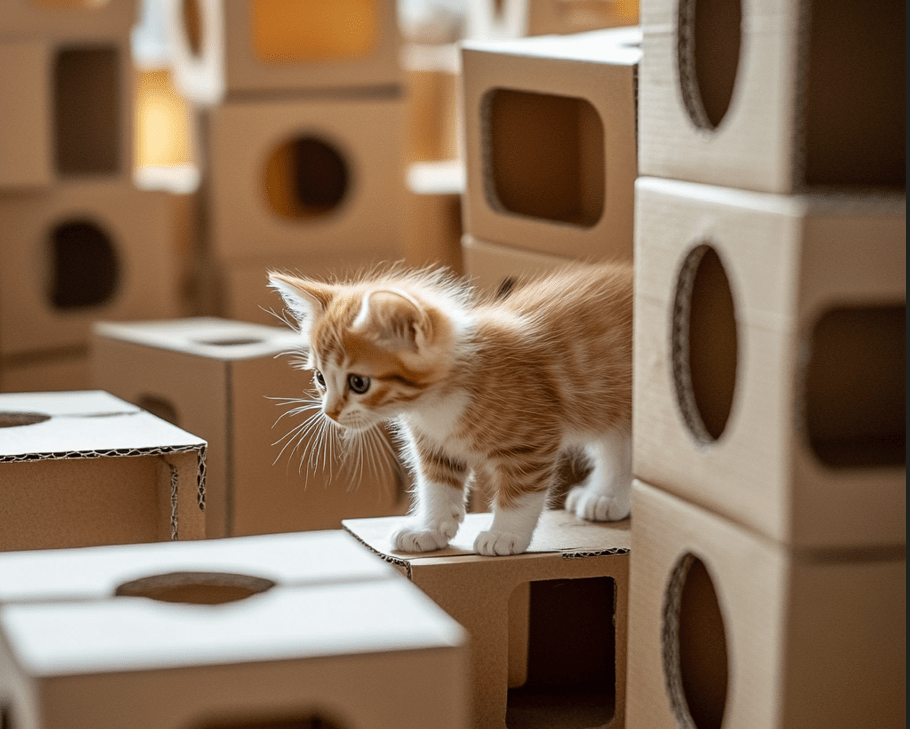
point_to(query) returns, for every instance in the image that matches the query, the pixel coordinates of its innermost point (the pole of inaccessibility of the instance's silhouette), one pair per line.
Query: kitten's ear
(393, 319)
(306, 300)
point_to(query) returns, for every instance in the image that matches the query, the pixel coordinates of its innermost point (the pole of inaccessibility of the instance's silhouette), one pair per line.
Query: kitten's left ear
(306, 300)
(394, 320)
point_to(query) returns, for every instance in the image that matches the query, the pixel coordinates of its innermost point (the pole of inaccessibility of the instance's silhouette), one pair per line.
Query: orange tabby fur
(501, 384)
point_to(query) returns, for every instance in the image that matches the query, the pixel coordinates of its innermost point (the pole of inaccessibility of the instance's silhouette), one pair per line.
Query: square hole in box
(562, 662)
(544, 156)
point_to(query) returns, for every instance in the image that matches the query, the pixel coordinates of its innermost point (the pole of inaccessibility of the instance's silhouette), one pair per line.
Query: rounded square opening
(84, 271)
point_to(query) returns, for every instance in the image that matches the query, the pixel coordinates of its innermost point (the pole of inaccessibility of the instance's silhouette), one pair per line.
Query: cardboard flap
(557, 531)
(617, 46)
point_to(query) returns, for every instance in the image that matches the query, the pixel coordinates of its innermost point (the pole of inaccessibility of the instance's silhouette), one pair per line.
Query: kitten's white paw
(500, 544)
(596, 505)
(414, 537)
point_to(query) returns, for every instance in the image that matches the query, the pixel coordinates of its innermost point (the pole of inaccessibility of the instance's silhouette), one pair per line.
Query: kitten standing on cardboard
(504, 385)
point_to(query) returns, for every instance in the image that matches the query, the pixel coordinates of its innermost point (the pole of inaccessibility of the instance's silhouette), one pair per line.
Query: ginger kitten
(502, 384)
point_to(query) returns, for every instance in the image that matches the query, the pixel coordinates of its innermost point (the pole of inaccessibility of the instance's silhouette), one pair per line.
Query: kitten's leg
(439, 505)
(606, 494)
(515, 516)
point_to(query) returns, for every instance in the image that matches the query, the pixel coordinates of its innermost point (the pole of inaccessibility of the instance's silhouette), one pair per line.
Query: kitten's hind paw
(500, 544)
(597, 506)
(411, 537)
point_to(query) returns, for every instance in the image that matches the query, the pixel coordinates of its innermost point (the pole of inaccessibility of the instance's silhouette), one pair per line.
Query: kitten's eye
(320, 380)
(358, 383)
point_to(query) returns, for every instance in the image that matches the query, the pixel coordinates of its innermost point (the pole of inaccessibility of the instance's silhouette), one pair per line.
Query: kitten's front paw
(500, 544)
(597, 506)
(414, 537)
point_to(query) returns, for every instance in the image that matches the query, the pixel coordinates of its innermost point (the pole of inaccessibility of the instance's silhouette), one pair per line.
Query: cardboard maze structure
(769, 527)
(78, 240)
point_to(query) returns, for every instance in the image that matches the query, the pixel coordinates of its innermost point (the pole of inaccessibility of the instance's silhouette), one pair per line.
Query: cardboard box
(82, 252)
(60, 370)
(224, 49)
(550, 142)
(431, 81)
(550, 623)
(305, 175)
(725, 626)
(85, 468)
(66, 111)
(285, 630)
(773, 96)
(499, 19)
(433, 216)
(495, 268)
(68, 20)
(769, 366)
(226, 381)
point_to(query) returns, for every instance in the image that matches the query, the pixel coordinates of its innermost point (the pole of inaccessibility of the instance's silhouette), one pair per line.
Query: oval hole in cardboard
(159, 407)
(236, 342)
(192, 26)
(84, 266)
(855, 387)
(195, 588)
(708, 40)
(704, 343)
(306, 177)
(16, 420)
(694, 645)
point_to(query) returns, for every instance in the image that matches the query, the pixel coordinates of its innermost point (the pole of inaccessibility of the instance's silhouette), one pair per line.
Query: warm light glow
(162, 122)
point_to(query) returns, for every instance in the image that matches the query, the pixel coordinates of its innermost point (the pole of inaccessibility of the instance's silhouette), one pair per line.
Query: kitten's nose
(334, 413)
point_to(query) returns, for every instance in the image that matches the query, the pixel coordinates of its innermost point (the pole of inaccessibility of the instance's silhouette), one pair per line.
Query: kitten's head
(375, 346)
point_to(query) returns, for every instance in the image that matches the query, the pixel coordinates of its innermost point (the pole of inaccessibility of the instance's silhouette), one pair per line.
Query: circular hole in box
(192, 26)
(84, 266)
(704, 344)
(694, 645)
(306, 177)
(236, 342)
(159, 407)
(16, 420)
(195, 588)
(709, 37)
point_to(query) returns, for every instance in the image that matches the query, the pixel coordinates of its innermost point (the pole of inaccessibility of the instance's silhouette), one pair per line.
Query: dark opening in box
(855, 94)
(306, 177)
(290, 31)
(704, 344)
(855, 387)
(87, 108)
(709, 34)
(545, 156)
(84, 267)
(195, 588)
(570, 680)
(306, 722)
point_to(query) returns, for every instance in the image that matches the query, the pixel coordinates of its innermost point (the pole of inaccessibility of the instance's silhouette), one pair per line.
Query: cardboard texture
(65, 111)
(491, 598)
(67, 20)
(318, 176)
(494, 267)
(226, 381)
(770, 387)
(47, 372)
(500, 19)
(433, 216)
(82, 252)
(431, 83)
(550, 142)
(85, 468)
(295, 629)
(747, 633)
(771, 96)
(225, 49)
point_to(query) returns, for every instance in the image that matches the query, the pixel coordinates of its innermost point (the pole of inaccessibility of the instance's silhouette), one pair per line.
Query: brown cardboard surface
(431, 85)
(366, 134)
(433, 214)
(563, 185)
(68, 21)
(339, 637)
(790, 261)
(491, 266)
(477, 591)
(496, 19)
(46, 372)
(358, 41)
(225, 381)
(137, 254)
(86, 468)
(788, 77)
(809, 641)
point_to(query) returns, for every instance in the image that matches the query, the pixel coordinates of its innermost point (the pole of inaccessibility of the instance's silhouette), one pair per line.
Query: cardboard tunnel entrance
(562, 664)
(87, 110)
(545, 156)
(855, 387)
(306, 177)
(84, 266)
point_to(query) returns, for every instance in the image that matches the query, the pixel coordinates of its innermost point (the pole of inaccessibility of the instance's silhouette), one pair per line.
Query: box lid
(83, 424)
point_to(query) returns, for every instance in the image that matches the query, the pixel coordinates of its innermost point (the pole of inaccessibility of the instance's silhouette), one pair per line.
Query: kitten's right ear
(306, 300)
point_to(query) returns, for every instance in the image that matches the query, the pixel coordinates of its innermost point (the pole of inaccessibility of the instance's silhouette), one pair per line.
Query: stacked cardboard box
(768, 583)
(301, 117)
(78, 240)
